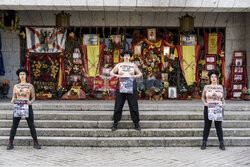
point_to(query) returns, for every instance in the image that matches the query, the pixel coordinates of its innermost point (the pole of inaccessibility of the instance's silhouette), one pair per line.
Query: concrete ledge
(125, 124)
(127, 141)
(174, 132)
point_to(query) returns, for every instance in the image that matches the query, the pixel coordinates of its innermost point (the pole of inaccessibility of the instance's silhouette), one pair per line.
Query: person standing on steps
(23, 91)
(123, 71)
(212, 93)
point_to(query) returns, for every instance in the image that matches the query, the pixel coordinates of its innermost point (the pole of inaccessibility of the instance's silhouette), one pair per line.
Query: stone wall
(248, 46)
(11, 57)
(237, 29)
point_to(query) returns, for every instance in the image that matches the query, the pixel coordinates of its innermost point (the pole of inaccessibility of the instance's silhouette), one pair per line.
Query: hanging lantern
(62, 19)
(186, 24)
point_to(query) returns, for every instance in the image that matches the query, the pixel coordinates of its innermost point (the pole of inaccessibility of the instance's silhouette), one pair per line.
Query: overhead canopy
(130, 5)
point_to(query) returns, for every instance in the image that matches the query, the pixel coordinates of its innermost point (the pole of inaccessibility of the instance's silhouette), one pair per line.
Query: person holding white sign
(126, 72)
(23, 98)
(213, 100)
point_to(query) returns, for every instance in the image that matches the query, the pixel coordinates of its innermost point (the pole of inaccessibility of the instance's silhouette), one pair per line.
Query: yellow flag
(93, 60)
(189, 65)
(212, 43)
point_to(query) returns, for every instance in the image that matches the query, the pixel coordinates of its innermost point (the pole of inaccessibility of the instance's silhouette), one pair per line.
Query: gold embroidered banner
(212, 43)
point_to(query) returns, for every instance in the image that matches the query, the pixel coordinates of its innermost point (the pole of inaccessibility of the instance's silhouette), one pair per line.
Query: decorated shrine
(75, 62)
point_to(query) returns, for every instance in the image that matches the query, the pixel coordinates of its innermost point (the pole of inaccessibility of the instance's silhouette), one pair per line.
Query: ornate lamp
(62, 19)
(186, 24)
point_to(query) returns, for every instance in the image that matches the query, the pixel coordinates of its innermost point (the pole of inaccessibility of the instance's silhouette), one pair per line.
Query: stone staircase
(88, 123)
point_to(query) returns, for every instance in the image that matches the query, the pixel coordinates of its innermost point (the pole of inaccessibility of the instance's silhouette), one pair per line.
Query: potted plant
(107, 94)
(5, 88)
(60, 91)
(183, 93)
(155, 93)
(245, 93)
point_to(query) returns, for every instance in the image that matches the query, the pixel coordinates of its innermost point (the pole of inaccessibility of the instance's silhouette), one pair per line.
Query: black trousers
(132, 102)
(218, 126)
(30, 121)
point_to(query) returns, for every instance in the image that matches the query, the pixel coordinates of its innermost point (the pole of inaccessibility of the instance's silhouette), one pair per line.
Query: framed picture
(9, 19)
(188, 40)
(239, 54)
(237, 69)
(172, 57)
(210, 58)
(238, 62)
(106, 71)
(90, 39)
(236, 94)
(152, 34)
(237, 86)
(166, 50)
(76, 53)
(210, 66)
(108, 59)
(137, 50)
(238, 77)
(164, 77)
(172, 93)
(116, 38)
(75, 78)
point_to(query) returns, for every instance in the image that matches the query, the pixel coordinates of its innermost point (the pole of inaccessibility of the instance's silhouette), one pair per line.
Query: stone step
(126, 141)
(88, 132)
(147, 105)
(125, 124)
(107, 115)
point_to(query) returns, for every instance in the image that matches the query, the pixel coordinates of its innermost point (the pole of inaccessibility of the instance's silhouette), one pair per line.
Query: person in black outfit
(212, 93)
(24, 91)
(126, 69)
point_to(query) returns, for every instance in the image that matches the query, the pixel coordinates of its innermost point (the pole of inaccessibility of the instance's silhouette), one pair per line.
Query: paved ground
(114, 157)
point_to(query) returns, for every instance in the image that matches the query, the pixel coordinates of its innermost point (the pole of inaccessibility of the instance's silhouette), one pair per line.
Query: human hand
(29, 103)
(121, 73)
(12, 101)
(131, 73)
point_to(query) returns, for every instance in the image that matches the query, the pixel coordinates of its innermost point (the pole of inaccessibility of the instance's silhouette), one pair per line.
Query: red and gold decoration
(213, 43)
(81, 69)
(237, 80)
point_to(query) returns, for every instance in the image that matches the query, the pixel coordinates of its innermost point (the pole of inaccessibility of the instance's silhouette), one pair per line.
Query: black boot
(137, 126)
(10, 146)
(204, 145)
(114, 127)
(222, 147)
(37, 145)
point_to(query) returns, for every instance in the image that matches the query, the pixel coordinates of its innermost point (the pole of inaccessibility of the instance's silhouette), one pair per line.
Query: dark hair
(126, 52)
(211, 72)
(22, 70)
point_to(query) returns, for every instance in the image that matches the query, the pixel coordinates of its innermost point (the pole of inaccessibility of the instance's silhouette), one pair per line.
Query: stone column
(235, 37)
